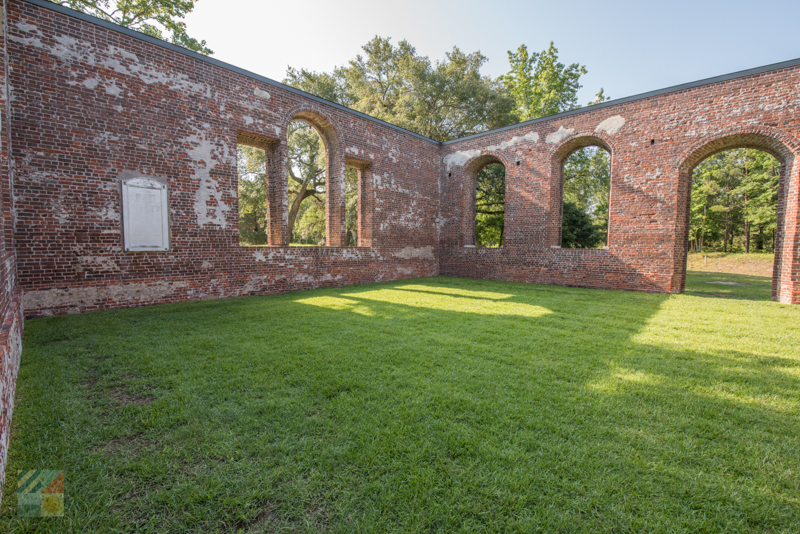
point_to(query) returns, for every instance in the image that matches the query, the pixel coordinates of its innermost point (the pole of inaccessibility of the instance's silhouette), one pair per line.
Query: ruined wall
(654, 142)
(93, 105)
(10, 308)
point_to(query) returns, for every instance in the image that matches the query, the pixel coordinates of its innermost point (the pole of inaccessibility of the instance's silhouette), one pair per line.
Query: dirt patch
(120, 396)
(126, 445)
(90, 382)
(266, 517)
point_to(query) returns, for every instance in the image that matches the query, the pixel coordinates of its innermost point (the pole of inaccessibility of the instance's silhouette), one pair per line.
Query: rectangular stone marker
(145, 215)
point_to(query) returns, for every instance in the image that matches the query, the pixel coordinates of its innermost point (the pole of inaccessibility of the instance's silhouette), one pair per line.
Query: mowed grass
(753, 264)
(428, 405)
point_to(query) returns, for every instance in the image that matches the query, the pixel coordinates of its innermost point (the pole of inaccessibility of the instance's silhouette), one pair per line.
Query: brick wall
(654, 142)
(93, 105)
(10, 306)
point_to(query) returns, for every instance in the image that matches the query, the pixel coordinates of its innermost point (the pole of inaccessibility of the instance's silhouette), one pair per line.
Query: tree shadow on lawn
(428, 404)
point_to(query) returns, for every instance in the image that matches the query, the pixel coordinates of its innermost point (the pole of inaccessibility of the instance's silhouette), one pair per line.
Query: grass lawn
(428, 405)
(753, 264)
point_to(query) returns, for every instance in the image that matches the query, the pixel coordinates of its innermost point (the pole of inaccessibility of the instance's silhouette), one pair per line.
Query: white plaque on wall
(145, 215)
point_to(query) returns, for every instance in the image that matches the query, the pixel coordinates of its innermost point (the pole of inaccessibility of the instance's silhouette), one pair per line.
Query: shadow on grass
(433, 404)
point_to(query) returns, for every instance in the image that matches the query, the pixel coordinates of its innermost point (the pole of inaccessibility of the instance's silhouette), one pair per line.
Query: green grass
(753, 264)
(429, 405)
(736, 286)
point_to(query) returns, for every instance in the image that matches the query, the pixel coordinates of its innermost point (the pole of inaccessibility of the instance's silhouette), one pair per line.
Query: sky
(627, 47)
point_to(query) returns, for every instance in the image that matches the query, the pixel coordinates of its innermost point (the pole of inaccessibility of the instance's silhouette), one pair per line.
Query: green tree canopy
(587, 181)
(441, 100)
(251, 163)
(490, 204)
(152, 17)
(734, 201)
(578, 229)
(540, 84)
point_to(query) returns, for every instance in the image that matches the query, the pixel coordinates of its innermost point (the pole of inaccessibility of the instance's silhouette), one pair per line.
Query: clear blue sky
(628, 47)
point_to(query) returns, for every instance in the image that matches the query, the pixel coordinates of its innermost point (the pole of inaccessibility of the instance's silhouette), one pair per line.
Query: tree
(541, 85)
(351, 206)
(251, 163)
(151, 17)
(442, 100)
(578, 230)
(306, 170)
(587, 181)
(734, 193)
(490, 201)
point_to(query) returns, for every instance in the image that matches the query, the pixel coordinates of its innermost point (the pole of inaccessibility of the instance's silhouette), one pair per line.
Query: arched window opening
(734, 203)
(251, 164)
(733, 225)
(587, 184)
(307, 170)
(490, 205)
(351, 206)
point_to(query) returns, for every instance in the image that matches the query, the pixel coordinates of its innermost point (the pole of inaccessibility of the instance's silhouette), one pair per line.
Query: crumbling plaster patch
(559, 135)
(458, 159)
(47, 299)
(611, 125)
(260, 93)
(69, 50)
(209, 205)
(411, 253)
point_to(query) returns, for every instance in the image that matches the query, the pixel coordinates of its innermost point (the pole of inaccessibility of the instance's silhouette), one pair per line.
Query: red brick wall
(663, 137)
(10, 307)
(93, 105)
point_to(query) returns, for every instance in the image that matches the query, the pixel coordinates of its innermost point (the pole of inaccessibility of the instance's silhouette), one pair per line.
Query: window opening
(307, 169)
(490, 203)
(351, 206)
(252, 169)
(587, 182)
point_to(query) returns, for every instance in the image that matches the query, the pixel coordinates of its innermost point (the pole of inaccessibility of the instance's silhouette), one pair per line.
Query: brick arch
(471, 170)
(785, 148)
(778, 143)
(333, 140)
(562, 151)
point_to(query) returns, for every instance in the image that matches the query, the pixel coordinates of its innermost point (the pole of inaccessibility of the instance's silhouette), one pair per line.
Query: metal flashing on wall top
(269, 81)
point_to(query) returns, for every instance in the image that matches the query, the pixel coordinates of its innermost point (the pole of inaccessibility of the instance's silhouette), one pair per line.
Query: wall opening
(490, 204)
(740, 182)
(307, 169)
(733, 223)
(352, 206)
(586, 191)
(252, 167)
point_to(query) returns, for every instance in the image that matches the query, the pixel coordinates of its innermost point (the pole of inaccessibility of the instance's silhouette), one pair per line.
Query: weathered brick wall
(92, 105)
(10, 307)
(654, 142)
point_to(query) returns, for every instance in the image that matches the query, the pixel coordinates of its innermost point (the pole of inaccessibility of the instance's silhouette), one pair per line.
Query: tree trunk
(301, 194)
(747, 236)
(725, 239)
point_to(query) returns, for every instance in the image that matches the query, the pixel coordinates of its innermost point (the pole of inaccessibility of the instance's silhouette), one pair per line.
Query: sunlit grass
(439, 404)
